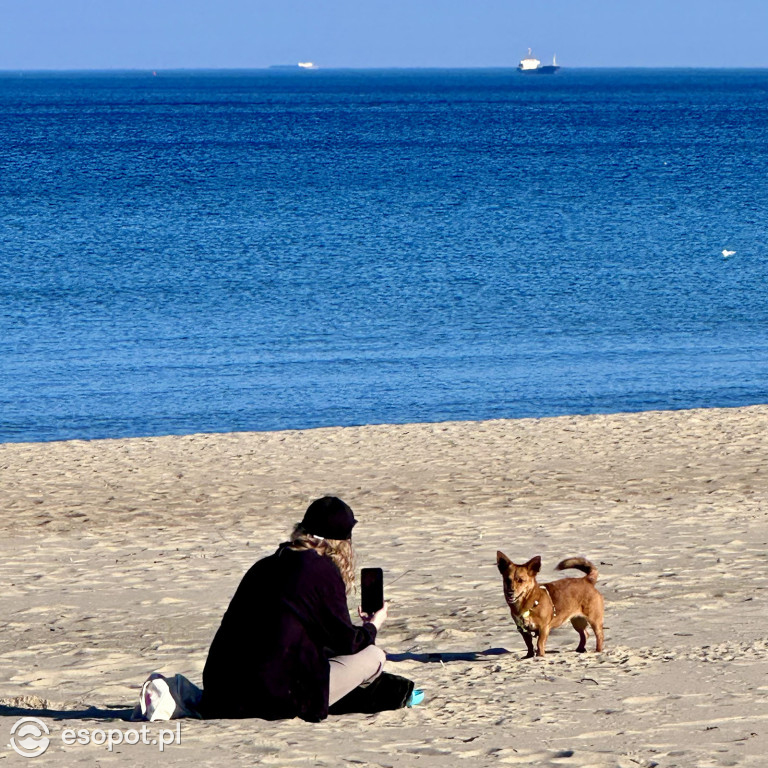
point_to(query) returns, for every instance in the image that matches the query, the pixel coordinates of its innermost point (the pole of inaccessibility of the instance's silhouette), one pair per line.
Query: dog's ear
(502, 562)
(534, 564)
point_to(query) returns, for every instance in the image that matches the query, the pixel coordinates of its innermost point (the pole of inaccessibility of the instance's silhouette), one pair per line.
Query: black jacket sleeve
(330, 614)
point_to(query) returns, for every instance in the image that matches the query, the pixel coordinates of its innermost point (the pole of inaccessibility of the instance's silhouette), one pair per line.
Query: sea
(217, 251)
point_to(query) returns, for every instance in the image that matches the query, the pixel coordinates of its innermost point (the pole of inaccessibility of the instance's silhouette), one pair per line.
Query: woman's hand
(378, 618)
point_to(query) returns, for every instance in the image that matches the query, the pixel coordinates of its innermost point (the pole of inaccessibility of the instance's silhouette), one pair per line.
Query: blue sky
(161, 34)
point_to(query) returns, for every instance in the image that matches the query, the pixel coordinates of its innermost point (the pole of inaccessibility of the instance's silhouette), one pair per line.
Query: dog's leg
(598, 630)
(528, 643)
(580, 624)
(542, 642)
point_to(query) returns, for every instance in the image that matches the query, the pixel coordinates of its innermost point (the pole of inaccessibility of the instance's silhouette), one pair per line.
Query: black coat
(269, 657)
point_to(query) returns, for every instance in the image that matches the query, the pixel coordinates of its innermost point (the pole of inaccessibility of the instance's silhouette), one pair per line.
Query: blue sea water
(217, 251)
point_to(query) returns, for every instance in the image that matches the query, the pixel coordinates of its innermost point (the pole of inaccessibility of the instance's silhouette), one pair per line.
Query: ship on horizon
(530, 65)
(298, 65)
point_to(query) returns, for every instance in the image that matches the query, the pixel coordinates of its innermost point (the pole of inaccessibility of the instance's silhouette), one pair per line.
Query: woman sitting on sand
(286, 646)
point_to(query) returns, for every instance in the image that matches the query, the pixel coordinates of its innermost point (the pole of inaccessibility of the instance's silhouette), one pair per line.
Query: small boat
(530, 65)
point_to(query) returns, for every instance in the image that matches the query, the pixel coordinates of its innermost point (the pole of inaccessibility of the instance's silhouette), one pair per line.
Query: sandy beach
(118, 557)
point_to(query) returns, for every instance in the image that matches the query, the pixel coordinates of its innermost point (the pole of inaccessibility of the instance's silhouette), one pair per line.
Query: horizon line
(319, 68)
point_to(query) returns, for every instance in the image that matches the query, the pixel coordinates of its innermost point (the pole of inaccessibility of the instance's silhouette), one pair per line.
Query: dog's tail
(582, 565)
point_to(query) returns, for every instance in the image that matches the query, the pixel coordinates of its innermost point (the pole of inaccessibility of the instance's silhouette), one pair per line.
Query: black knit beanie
(330, 518)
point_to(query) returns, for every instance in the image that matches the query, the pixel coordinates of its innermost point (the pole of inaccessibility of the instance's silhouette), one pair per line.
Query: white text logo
(29, 737)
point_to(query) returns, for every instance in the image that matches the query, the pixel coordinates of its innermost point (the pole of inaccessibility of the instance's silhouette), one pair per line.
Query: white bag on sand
(167, 698)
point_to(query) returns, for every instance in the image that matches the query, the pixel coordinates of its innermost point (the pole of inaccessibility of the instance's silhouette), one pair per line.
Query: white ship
(530, 65)
(299, 65)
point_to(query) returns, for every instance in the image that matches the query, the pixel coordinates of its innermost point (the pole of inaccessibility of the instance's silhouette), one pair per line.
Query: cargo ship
(299, 65)
(530, 65)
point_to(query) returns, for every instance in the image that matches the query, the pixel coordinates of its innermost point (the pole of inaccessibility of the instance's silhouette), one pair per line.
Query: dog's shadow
(116, 712)
(442, 657)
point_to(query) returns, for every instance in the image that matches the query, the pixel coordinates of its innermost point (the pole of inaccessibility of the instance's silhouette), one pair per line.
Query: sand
(118, 557)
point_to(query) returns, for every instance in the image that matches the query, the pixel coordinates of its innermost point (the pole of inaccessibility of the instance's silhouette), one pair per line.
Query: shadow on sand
(115, 712)
(444, 657)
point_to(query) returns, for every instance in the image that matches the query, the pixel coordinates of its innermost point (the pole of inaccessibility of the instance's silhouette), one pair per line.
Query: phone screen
(371, 590)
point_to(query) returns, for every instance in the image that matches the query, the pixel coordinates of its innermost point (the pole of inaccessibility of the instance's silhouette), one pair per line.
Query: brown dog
(538, 608)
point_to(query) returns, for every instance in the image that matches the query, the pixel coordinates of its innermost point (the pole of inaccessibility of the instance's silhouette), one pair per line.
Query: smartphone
(371, 590)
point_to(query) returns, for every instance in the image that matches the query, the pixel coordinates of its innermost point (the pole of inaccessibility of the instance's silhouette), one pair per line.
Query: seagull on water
(726, 253)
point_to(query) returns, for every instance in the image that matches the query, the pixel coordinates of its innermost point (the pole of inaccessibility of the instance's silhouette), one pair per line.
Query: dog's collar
(527, 613)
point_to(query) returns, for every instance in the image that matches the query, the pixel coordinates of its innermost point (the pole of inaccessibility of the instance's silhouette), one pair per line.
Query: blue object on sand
(416, 697)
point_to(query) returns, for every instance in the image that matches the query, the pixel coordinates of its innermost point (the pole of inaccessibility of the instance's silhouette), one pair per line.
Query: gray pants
(348, 672)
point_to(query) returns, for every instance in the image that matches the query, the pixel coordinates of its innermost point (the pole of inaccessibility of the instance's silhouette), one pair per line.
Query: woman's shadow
(111, 712)
(442, 657)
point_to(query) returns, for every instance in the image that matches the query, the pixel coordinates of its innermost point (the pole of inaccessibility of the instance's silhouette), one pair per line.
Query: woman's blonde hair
(339, 550)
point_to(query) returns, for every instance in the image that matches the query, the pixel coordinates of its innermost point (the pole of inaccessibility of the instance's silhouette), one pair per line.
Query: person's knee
(380, 654)
(377, 658)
